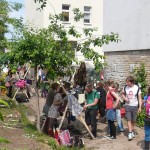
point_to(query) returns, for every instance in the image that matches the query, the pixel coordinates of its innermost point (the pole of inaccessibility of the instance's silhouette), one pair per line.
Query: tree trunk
(38, 100)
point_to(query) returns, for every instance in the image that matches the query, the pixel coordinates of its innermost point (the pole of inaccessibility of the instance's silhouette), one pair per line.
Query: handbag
(123, 112)
(7, 84)
(64, 137)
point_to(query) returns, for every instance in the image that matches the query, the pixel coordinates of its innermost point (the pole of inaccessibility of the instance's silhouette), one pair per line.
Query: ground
(20, 141)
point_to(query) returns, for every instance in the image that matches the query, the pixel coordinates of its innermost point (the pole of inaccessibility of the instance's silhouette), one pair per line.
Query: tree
(6, 20)
(50, 47)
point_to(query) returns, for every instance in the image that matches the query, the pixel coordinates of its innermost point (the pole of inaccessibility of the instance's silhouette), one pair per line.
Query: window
(65, 13)
(87, 14)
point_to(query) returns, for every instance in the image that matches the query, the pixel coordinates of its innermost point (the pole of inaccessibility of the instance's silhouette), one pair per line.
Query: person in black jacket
(102, 101)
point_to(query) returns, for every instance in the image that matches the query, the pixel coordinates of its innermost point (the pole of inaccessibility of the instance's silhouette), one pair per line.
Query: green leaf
(1, 117)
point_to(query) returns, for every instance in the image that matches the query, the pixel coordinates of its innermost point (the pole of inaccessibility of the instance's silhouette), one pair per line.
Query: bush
(140, 78)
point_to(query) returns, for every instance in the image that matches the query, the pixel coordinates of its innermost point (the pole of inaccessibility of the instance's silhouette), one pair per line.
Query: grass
(4, 140)
(30, 129)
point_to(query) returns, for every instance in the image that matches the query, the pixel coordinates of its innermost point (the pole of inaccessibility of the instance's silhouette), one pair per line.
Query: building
(131, 19)
(93, 16)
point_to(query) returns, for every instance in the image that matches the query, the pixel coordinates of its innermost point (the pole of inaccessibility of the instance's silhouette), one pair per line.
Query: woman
(8, 83)
(53, 110)
(50, 97)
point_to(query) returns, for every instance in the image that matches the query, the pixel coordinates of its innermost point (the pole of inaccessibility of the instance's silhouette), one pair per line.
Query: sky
(15, 14)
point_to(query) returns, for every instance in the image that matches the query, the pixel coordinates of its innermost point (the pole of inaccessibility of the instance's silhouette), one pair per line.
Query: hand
(127, 100)
(139, 110)
(84, 107)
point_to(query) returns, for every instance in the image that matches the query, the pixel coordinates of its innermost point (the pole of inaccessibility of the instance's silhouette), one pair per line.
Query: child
(110, 108)
(147, 122)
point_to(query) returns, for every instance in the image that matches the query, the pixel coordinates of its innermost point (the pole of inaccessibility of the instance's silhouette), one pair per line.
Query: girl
(111, 97)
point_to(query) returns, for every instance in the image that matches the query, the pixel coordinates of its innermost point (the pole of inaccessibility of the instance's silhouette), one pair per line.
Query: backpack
(136, 93)
(148, 106)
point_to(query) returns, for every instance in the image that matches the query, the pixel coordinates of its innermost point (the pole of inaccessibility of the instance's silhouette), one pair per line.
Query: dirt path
(101, 143)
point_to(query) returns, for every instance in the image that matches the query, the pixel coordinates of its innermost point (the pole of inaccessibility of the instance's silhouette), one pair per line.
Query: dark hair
(130, 79)
(100, 84)
(60, 90)
(55, 85)
(67, 85)
(89, 85)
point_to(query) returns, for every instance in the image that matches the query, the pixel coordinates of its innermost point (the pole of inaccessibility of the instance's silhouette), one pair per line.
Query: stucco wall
(119, 64)
(129, 18)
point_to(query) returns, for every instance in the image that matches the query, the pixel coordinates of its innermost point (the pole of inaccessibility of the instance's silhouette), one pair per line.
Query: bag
(64, 137)
(76, 141)
(21, 83)
(7, 84)
(123, 112)
(148, 106)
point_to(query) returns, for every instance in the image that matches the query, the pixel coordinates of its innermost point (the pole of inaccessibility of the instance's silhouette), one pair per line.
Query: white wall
(131, 19)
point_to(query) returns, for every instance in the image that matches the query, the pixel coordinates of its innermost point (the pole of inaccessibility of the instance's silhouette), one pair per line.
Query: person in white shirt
(133, 101)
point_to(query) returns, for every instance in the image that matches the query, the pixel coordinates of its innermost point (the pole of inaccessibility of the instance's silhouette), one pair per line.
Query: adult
(50, 97)
(53, 111)
(132, 95)
(91, 107)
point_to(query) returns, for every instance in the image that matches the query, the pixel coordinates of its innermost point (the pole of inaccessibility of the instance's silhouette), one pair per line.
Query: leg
(112, 129)
(93, 113)
(119, 121)
(50, 129)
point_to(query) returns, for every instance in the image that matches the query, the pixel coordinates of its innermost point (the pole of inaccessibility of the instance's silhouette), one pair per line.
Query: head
(67, 86)
(89, 88)
(100, 84)
(61, 91)
(107, 84)
(130, 81)
(55, 86)
(9, 73)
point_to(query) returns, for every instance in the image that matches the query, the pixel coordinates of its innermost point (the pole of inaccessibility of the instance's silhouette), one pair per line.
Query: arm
(140, 102)
(124, 97)
(92, 104)
(117, 98)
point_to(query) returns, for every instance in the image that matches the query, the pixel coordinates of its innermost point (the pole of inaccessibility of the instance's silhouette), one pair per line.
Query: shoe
(133, 135)
(113, 138)
(130, 137)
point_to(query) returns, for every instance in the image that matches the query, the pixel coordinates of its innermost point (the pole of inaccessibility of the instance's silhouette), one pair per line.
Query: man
(91, 107)
(133, 101)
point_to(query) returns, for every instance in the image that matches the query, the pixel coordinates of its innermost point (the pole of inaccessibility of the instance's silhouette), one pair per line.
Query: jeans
(90, 119)
(119, 120)
(147, 132)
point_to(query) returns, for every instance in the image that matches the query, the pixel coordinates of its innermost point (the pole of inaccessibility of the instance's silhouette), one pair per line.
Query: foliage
(140, 118)
(5, 104)
(140, 77)
(4, 140)
(6, 20)
(50, 48)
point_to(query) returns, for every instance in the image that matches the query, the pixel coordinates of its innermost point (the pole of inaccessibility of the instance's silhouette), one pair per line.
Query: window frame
(87, 12)
(66, 11)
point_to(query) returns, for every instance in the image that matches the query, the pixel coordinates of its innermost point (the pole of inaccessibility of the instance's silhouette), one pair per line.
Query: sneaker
(113, 138)
(133, 135)
(130, 137)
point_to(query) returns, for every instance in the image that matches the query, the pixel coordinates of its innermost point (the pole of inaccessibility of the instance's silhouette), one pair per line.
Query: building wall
(40, 19)
(120, 64)
(131, 20)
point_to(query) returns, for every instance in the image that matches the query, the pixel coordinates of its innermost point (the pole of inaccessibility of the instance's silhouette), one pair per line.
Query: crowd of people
(105, 99)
